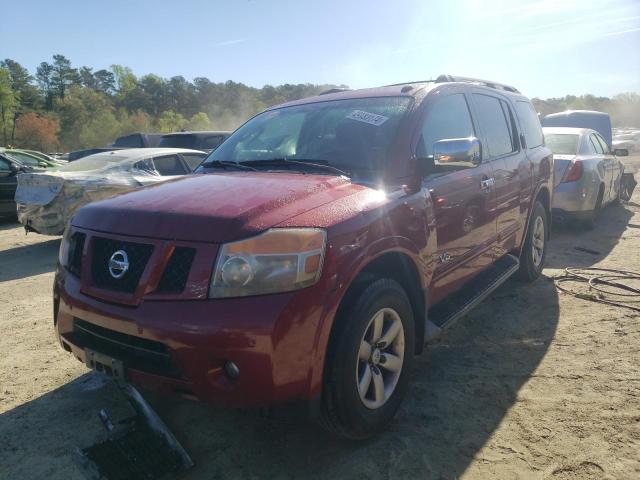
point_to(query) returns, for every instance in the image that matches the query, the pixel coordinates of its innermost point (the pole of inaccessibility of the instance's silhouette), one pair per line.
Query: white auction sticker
(366, 117)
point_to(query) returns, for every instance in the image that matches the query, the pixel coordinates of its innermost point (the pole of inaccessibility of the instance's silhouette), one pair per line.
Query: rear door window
(494, 125)
(595, 144)
(603, 143)
(530, 124)
(169, 165)
(145, 166)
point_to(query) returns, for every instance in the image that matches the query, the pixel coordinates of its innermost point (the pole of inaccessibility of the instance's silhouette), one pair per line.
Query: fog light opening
(231, 370)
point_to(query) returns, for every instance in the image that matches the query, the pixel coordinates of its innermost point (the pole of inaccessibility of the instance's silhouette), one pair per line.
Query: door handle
(487, 183)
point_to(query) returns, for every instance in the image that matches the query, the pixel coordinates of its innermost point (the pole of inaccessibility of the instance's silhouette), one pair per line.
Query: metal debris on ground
(602, 285)
(140, 447)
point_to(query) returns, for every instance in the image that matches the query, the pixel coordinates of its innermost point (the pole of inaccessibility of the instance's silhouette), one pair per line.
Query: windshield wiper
(318, 164)
(227, 163)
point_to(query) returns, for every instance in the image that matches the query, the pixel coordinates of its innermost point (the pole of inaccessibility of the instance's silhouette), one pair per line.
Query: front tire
(535, 245)
(369, 360)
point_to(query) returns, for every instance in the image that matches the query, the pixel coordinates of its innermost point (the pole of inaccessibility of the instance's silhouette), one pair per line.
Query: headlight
(65, 244)
(279, 260)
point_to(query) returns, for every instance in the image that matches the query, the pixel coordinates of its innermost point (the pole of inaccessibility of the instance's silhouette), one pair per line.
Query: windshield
(178, 141)
(23, 158)
(92, 162)
(562, 144)
(353, 135)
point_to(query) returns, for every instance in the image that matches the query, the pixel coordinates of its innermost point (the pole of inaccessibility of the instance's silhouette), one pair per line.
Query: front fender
(353, 261)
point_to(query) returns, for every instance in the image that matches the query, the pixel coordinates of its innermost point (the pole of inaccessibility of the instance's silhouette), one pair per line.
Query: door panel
(509, 163)
(463, 198)
(464, 208)
(7, 188)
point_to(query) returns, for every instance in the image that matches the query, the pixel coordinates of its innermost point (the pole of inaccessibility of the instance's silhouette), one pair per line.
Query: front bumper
(270, 338)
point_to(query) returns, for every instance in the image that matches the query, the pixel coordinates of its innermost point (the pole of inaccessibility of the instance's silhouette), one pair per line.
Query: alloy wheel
(537, 241)
(380, 358)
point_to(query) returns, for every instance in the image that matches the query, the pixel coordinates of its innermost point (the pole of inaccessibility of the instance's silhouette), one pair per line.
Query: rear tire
(369, 360)
(590, 223)
(535, 245)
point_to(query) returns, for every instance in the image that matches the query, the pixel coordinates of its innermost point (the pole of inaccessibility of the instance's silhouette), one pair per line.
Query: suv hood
(217, 207)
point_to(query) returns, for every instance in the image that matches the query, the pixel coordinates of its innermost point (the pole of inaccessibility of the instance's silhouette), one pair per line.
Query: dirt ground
(532, 384)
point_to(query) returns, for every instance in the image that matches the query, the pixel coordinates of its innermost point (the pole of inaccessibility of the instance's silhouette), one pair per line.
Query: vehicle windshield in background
(562, 144)
(178, 141)
(92, 162)
(351, 135)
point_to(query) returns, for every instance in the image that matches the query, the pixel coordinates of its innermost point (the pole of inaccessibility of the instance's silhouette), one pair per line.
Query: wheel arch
(397, 266)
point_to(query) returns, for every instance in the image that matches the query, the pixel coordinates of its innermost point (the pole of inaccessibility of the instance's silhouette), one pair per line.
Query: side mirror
(621, 152)
(14, 168)
(457, 152)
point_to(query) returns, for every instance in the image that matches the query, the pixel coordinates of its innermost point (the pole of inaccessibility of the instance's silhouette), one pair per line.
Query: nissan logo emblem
(118, 264)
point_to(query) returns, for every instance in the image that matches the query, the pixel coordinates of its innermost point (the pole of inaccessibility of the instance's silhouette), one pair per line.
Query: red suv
(315, 252)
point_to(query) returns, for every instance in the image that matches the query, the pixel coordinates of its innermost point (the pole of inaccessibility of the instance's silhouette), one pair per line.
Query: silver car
(587, 174)
(47, 200)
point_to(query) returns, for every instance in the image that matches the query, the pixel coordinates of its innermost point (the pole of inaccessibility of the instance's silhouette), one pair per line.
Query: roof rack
(334, 90)
(409, 83)
(486, 83)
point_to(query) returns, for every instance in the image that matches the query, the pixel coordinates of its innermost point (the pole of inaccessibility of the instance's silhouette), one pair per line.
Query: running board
(447, 312)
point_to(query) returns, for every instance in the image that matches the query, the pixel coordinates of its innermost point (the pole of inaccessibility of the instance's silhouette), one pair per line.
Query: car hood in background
(46, 201)
(216, 207)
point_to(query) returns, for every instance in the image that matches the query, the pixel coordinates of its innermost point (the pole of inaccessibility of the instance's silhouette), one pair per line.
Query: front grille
(135, 352)
(76, 245)
(138, 255)
(175, 275)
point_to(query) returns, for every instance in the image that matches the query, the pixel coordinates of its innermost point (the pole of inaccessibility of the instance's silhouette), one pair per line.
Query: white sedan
(47, 200)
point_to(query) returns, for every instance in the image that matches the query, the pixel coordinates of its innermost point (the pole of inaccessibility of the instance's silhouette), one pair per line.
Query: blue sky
(544, 47)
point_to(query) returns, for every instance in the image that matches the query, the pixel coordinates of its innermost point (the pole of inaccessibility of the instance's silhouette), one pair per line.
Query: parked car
(587, 174)
(46, 201)
(627, 141)
(28, 159)
(138, 140)
(598, 121)
(78, 154)
(206, 141)
(51, 161)
(324, 243)
(9, 170)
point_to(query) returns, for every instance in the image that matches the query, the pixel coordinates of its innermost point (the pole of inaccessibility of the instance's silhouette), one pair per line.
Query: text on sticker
(366, 117)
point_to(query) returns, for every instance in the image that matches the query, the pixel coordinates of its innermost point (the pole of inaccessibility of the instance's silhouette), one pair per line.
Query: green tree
(137, 121)
(86, 77)
(101, 130)
(105, 81)
(63, 75)
(8, 104)
(199, 121)
(171, 121)
(26, 93)
(78, 112)
(44, 73)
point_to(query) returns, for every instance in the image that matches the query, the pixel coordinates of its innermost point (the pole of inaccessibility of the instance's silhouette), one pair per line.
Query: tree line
(61, 107)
